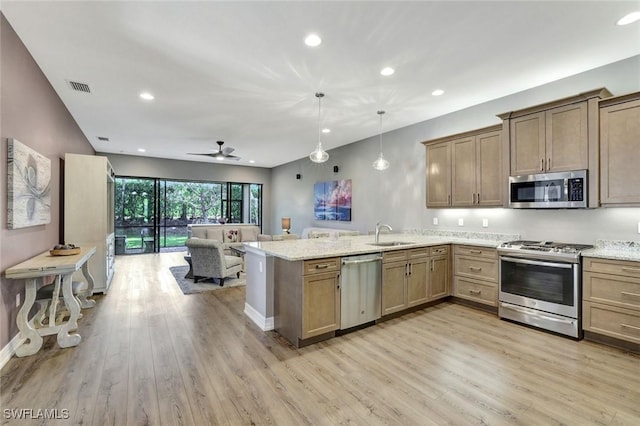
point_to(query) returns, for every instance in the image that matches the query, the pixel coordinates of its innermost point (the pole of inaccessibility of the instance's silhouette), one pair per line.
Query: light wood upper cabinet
(439, 175)
(620, 150)
(557, 136)
(466, 170)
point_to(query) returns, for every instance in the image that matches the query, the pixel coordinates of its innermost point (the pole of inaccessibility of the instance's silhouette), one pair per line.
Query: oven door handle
(537, 262)
(535, 313)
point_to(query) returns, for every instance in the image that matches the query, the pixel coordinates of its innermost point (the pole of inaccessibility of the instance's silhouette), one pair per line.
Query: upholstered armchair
(209, 260)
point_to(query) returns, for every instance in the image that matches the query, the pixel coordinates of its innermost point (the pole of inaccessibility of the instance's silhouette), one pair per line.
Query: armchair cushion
(214, 234)
(249, 234)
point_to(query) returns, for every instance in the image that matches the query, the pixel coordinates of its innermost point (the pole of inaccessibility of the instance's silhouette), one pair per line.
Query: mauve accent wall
(31, 112)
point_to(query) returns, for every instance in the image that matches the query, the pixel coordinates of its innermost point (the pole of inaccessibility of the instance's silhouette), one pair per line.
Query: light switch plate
(460, 222)
(638, 227)
(485, 223)
(435, 222)
(17, 300)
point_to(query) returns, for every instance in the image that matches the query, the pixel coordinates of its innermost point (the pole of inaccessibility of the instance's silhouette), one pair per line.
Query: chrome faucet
(380, 226)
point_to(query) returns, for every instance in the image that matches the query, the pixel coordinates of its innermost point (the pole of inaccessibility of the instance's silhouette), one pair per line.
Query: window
(152, 214)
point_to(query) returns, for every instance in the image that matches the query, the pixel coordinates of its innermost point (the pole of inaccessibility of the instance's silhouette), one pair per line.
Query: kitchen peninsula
(294, 286)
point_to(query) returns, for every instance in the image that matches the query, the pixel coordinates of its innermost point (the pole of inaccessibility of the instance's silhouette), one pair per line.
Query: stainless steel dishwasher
(360, 288)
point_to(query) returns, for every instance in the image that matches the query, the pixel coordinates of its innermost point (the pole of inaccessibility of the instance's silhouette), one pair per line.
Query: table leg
(66, 340)
(85, 302)
(34, 340)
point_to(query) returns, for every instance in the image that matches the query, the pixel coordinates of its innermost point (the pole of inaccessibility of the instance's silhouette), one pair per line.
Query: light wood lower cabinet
(413, 277)
(475, 274)
(611, 299)
(307, 299)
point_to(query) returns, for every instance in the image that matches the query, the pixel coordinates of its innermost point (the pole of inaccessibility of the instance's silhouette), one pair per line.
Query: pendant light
(319, 155)
(381, 163)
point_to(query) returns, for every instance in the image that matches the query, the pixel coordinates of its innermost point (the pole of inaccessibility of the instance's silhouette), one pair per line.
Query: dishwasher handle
(360, 261)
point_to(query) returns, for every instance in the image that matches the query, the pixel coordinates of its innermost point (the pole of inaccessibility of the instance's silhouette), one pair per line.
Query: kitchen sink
(390, 243)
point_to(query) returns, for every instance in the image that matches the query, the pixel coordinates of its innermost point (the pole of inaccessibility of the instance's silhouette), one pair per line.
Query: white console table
(63, 268)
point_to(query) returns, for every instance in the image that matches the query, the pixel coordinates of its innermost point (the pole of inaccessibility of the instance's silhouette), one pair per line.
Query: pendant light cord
(319, 95)
(380, 114)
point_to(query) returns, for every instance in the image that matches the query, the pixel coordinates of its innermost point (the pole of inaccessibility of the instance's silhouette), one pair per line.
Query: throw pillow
(231, 236)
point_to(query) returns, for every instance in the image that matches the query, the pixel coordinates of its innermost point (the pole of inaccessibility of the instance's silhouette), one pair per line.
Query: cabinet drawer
(617, 267)
(394, 256)
(438, 250)
(476, 251)
(475, 267)
(478, 291)
(417, 253)
(611, 289)
(318, 266)
(612, 321)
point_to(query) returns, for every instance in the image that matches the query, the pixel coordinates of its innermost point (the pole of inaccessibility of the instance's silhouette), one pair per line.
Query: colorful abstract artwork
(332, 200)
(29, 177)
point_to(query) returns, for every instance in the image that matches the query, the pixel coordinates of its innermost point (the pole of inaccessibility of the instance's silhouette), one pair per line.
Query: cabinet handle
(549, 163)
(322, 266)
(478, 292)
(542, 164)
(449, 199)
(626, 293)
(635, 270)
(630, 326)
(478, 198)
(475, 251)
(432, 262)
(473, 198)
(475, 268)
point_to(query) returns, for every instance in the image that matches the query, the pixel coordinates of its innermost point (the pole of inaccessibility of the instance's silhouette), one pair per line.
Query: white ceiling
(239, 71)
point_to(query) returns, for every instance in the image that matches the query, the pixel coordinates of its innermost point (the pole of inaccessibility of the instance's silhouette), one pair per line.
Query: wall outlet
(638, 227)
(485, 223)
(17, 300)
(435, 222)
(460, 222)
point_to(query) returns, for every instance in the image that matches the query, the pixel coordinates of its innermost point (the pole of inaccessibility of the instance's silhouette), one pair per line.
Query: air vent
(103, 139)
(79, 87)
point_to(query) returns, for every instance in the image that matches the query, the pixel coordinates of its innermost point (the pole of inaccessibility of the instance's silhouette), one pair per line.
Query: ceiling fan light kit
(222, 153)
(381, 163)
(319, 155)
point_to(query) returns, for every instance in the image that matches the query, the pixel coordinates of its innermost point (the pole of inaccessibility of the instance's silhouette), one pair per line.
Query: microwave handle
(537, 263)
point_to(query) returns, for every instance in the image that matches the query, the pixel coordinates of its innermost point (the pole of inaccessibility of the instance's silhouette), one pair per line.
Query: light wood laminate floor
(151, 355)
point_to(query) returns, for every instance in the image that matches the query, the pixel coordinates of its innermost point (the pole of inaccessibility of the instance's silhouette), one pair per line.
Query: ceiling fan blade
(228, 150)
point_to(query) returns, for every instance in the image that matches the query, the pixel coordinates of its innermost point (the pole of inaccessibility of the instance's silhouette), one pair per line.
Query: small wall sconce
(335, 169)
(286, 225)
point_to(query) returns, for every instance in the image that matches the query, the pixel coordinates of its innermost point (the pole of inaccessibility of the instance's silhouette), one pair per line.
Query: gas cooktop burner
(543, 248)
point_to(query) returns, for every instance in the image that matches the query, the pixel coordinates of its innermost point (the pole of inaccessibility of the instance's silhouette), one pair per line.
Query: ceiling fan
(222, 154)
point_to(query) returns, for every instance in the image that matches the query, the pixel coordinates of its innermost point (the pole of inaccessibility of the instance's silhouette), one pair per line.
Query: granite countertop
(615, 250)
(315, 248)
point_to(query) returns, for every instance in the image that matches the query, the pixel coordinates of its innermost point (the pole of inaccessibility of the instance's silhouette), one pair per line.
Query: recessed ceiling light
(220, 158)
(437, 92)
(325, 130)
(252, 161)
(313, 40)
(387, 71)
(629, 18)
(142, 150)
(147, 96)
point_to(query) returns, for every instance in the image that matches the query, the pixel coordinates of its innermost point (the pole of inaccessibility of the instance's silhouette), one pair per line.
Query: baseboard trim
(264, 323)
(10, 349)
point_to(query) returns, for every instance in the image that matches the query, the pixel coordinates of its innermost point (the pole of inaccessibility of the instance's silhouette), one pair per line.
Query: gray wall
(397, 195)
(138, 166)
(31, 112)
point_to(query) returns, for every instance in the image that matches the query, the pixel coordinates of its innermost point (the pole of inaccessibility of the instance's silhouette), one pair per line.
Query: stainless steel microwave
(563, 190)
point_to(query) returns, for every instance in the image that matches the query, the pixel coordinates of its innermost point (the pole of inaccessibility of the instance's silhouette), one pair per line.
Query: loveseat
(230, 234)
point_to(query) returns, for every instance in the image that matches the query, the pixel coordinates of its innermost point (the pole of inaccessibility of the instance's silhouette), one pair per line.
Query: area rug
(189, 287)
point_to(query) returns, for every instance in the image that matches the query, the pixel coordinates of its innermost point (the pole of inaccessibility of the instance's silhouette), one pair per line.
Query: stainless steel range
(540, 285)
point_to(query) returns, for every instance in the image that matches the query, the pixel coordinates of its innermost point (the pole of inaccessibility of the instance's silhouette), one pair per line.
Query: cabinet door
(417, 281)
(567, 143)
(489, 177)
(527, 140)
(394, 295)
(463, 177)
(320, 304)
(439, 175)
(620, 153)
(438, 277)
